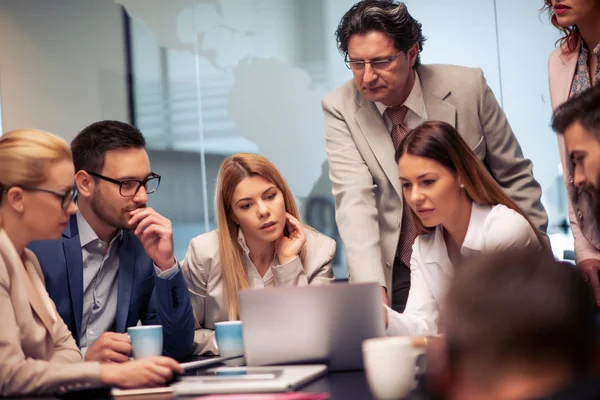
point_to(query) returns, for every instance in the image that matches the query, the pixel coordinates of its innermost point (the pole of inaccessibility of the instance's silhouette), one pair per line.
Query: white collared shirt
(417, 114)
(491, 229)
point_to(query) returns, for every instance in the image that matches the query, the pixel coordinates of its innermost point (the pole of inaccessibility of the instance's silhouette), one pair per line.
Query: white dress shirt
(491, 229)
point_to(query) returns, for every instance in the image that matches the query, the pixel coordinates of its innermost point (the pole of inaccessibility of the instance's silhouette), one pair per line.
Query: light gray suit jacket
(34, 359)
(203, 272)
(364, 174)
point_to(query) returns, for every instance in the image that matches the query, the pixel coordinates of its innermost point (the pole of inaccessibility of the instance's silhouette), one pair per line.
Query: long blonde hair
(439, 141)
(233, 170)
(25, 155)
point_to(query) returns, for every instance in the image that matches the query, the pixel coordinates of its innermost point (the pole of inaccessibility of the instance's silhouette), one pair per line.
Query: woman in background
(259, 242)
(37, 352)
(574, 67)
(460, 211)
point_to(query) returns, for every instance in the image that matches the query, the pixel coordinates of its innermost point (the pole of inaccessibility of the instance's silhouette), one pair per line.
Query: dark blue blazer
(141, 294)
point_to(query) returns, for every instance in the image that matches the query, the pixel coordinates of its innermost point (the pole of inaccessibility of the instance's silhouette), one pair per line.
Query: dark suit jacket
(141, 295)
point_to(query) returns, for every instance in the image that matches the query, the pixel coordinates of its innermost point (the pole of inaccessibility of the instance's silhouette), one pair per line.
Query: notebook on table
(248, 379)
(268, 396)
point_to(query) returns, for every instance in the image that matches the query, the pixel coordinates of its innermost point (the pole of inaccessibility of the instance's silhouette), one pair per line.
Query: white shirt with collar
(491, 229)
(417, 114)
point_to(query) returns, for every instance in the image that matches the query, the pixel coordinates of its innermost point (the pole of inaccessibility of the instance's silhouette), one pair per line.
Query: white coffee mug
(146, 340)
(390, 366)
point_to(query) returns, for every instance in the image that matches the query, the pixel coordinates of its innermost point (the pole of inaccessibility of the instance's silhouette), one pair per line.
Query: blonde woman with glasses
(259, 243)
(37, 352)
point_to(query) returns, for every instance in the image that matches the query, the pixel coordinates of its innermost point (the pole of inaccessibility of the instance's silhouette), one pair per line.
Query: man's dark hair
(384, 16)
(91, 144)
(583, 108)
(519, 309)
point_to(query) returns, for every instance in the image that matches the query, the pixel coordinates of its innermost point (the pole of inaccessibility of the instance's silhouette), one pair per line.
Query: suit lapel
(377, 135)
(567, 72)
(435, 92)
(126, 278)
(439, 110)
(74, 261)
(35, 296)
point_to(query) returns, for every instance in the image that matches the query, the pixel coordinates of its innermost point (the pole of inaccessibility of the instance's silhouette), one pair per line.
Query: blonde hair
(439, 141)
(233, 170)
(25, 155)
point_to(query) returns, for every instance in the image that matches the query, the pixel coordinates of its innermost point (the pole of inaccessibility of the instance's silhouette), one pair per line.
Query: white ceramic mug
(146, 340)
(390, 366)
(230, 339)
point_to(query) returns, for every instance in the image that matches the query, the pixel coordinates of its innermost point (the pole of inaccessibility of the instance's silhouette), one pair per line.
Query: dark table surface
(349, 385)
(344, 386)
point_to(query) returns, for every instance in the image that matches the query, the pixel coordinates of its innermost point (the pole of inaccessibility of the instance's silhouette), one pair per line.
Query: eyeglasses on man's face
(65, 197)
(379, 64)
(130, 187)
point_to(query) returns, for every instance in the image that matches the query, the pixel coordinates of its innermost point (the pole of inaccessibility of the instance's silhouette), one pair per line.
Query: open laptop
(311, 324)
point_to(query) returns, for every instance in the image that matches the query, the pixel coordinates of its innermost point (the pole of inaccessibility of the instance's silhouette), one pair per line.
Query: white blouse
(491, 229)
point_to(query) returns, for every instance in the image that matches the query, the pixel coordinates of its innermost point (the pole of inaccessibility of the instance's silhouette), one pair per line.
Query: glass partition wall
(206, 79)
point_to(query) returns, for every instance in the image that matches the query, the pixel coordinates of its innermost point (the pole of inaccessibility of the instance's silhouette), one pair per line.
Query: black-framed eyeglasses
(380, 64)
(130, 187)
(65, 197)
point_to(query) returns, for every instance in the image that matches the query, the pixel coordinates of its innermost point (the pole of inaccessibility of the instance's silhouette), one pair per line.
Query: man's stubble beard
(107, 215)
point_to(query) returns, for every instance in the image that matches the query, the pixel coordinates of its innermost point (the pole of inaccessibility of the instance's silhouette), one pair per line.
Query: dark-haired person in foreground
(519, 325)
(578, 120)
(391, 93)
(114, 264)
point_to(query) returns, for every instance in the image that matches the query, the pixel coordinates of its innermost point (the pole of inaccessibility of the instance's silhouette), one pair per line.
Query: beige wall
(62, 64)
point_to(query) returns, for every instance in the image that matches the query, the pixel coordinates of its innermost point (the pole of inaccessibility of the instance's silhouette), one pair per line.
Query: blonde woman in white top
(460, 211)
(37, 352)
(259, 243)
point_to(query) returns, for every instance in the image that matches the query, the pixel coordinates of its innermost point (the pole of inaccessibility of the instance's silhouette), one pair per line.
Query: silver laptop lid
(311, 324)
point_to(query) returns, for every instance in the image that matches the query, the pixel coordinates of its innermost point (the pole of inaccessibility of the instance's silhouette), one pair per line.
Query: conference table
(346, 385)
(350, 385)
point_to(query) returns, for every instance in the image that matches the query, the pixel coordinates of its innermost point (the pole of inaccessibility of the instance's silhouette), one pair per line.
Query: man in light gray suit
(365, 118)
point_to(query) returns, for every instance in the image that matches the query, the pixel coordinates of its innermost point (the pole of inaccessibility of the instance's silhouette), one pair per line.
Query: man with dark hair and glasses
(367, 117)
(114, 265)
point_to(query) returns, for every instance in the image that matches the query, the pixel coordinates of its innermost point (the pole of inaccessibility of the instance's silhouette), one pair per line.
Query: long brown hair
(571, 35)
(233, 170)
(440, 142)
